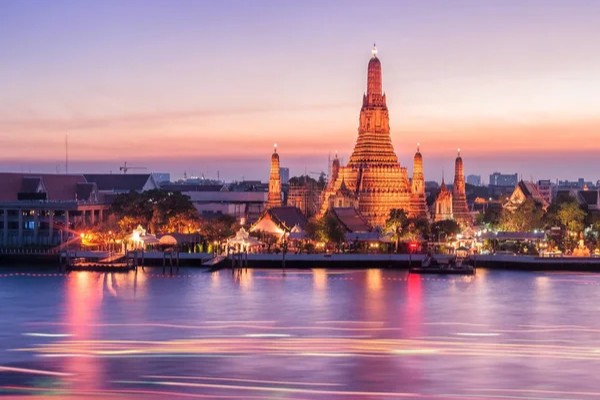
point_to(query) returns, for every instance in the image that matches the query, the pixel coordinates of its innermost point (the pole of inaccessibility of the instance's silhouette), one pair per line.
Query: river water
(299, 334)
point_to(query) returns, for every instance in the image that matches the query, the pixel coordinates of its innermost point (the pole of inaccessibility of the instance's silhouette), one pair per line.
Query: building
(245, 206)
(545, 188)
(284, 174)
(578, 184)
(279, 220)
(460, 209)
(161, 177)
(274, 199)
(504, 180)
(418, 201)
(525, 191)
(443, 204)
(474, 180)
(305, 193)
(113, 184)
(44, 210)
(373, 175)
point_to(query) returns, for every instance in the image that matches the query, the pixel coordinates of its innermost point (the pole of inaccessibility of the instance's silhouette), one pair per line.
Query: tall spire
(274, 198)
(374, 51)
(374, 85)
(459, 198)
(418, 203)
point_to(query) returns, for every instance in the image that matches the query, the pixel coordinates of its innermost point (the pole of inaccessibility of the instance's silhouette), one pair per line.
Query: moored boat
(454, 265)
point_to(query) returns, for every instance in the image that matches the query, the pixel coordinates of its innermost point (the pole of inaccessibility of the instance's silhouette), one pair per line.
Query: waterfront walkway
(345, 260)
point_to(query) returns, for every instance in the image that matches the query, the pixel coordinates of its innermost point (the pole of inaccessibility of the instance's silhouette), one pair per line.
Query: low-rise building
(46, 209)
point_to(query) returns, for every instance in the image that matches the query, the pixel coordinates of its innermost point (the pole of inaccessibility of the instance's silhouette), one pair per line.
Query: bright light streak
(50, 335)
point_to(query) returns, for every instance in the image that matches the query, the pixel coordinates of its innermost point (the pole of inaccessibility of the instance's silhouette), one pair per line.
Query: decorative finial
(374, 50)
(418, 147)
(459, 151)
(275, 148)
(336, 154)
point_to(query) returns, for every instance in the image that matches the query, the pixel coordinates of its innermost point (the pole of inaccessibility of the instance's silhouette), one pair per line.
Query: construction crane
(126, 167)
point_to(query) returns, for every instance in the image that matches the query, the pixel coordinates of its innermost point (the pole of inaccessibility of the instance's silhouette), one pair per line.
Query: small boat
(454, 265)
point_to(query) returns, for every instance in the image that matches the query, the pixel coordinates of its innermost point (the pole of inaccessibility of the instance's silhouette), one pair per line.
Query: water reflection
(84, 293)
(319, 279)
(368, 334)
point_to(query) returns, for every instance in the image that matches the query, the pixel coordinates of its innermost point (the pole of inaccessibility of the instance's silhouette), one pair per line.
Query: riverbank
(349, 260)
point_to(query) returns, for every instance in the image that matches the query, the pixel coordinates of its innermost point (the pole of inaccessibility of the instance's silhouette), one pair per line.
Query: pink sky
(184, 86)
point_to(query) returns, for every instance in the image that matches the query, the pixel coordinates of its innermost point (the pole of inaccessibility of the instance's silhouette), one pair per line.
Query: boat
(452, 266)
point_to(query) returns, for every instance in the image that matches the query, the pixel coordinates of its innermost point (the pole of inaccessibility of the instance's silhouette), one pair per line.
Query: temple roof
(351, 219)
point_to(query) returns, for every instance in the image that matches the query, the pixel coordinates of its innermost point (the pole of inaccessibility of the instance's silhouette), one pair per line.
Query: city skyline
(203, 88)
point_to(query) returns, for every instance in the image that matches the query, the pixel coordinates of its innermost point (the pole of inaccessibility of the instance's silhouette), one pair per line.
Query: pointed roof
(351, 219)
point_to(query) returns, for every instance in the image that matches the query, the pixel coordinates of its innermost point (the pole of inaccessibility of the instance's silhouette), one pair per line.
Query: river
(299, 334)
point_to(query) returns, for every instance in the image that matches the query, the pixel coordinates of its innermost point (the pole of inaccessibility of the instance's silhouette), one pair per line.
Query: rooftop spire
(275, 148)
(374, 87)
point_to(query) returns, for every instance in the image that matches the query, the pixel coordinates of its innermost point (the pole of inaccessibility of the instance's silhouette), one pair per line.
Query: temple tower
(418, 202)
(274, 199)
(443, 204)
(373, 174)
(459, 198)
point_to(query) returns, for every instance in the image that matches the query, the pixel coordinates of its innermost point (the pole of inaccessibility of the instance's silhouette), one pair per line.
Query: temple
(459, 198)
(373, 179)
(418, 202)
(443, 204)
(274, 199)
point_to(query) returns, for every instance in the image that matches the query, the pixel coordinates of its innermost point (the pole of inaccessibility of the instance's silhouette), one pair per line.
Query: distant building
(578, 184)
(504, 180)
(112, 184)
(284, 175)
(545, 187)
(241, 205)
(304, 193)
(161, 177)
(474, 180)
(525, 191)
(249, 186)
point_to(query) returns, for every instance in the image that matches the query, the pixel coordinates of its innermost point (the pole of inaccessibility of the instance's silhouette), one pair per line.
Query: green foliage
(571, 216)
(444, 229)
(525, 218)
(218, 228)
(159, 210)
(491, 217)
(327, 229)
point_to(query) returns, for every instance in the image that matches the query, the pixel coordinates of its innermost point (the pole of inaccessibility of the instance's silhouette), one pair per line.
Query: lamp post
(284, 247)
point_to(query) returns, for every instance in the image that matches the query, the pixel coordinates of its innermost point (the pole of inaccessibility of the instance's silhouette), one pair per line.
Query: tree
(396, 225)
(218, 228)
(445, 228)
(158, 210)
(327, 229)
(571, 217)
(527, 217)
(418, 229)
